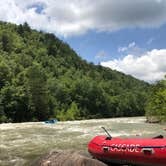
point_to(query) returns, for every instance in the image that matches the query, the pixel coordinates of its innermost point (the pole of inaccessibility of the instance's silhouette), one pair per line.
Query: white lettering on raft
(124, 148)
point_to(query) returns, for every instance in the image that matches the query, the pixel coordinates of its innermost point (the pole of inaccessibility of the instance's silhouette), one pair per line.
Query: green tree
(38, 92)
(26, 27)
(3, 117)
(73, 112)
(156, 106)
(7, 42)
(5, 73)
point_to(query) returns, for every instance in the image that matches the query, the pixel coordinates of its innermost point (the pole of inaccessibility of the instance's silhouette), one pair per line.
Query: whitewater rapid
(21, 143)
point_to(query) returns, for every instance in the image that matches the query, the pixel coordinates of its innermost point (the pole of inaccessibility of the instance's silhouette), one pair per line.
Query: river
(21, 143)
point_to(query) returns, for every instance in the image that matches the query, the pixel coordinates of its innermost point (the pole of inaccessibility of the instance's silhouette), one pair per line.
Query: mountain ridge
(42, 77)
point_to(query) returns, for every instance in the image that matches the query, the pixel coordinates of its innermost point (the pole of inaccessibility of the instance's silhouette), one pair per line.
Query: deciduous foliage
(156, 106)
(41, 77)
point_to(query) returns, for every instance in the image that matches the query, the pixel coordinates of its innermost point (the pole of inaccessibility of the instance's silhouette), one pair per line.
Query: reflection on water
(20, 143)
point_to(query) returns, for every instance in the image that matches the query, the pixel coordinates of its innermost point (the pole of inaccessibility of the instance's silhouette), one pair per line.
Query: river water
(21, 143)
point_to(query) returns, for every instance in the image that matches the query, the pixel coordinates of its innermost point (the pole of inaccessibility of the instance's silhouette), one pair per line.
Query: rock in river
(67, 158)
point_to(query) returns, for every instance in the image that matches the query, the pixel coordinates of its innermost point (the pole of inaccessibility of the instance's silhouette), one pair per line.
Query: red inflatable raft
(136, 151)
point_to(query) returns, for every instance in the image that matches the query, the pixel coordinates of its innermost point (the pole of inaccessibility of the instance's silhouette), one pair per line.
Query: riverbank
(154, 119)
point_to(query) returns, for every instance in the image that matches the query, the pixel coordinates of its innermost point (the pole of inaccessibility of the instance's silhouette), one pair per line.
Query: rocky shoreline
(152, 119)
(67, 158)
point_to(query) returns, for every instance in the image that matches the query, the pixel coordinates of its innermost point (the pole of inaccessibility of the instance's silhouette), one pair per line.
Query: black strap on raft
(158, 137)
(109, 136)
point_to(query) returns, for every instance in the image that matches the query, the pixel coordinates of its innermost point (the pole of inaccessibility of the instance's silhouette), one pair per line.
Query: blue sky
(88, 46)
(124, 35)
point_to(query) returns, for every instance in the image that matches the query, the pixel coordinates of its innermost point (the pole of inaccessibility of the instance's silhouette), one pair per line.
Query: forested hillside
(156, 105)
(41, 77)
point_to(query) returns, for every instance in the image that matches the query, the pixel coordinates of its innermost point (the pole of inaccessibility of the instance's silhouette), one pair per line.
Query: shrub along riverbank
(156, 105)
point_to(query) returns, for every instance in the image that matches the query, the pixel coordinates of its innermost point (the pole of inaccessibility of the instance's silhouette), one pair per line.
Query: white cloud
(131, 45)
(122, 49)
(131, 48)
(66, 17)
(126, 48)
(150, 41)
(151, 66)
(101, 54)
